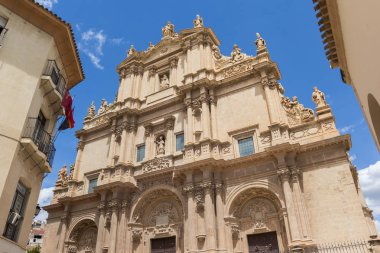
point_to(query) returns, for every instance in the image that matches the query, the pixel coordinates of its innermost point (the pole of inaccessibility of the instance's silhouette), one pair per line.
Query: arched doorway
(157, 223)
(257, 222)
(82, 239)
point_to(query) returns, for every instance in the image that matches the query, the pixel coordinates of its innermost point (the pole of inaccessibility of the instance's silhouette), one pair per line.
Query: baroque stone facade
(206, 153)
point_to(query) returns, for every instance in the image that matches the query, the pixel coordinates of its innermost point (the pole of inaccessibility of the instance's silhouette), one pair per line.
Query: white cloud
(117, 41)
(352, 157)
(47, 3)
(346, 129)
(91, 44)
(370, 184)
(46, 194)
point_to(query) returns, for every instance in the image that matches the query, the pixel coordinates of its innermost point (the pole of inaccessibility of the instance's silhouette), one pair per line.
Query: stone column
(131, 129)
(122, 228)
(189, 134)
(111, 151)
(303, 217)
(148, 141)
(156, 83)
(102, 221)
(173, 70)
(191, 221)
(214, 127)
(64, 223)
(220, 217)
(122, 75)
(202, 54)
(205, 114)
(269, 99)
(283, 173)
(78, 159)
(114, 205)
(188, 57)
(138, 82)
(133, 81)
(152, 78)
(169, 136)
(123, 141)
(209, 211)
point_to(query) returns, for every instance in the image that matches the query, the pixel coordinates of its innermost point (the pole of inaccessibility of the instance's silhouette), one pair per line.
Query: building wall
(23, 56)
(361, 37)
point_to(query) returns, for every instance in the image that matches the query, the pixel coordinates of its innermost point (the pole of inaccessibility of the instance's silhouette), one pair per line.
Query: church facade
(201, 152)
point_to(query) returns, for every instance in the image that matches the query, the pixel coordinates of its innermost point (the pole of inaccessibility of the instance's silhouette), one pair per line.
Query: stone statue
(160, 145)
(260, 42)
(91, 111)
(164, 82)
(62, 176)
(198, 22)
(319, 97)
(236, 54)
(168, 30)
(71, 175)
(103, 107)
(216, 52)
(131, 50)
(151, 46)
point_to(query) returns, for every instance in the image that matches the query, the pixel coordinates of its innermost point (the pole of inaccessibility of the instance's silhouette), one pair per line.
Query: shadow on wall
(374, 111)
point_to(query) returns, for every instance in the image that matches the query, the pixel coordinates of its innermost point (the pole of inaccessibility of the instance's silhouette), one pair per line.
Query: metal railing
(43, 140)
(357, 246)
(53, 71)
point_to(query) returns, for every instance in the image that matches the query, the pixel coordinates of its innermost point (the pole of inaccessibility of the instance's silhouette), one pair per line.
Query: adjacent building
(36, 234)
(350, 33)
(38, 63)
(202, 152)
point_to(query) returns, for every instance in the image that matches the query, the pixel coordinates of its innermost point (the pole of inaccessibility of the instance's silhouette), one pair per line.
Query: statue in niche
(131, 50)
(236, 54)
(260, 42)
(160, 145)
(103, 106)
(164, 82)
(168, 30)
(319, 97)
(198, 22)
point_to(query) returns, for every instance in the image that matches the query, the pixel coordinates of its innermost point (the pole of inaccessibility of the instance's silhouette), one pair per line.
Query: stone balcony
(53, 85)
(38, 144)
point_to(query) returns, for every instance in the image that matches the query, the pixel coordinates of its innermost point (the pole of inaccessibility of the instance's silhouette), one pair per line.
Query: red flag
(67, 102)
(70, 117)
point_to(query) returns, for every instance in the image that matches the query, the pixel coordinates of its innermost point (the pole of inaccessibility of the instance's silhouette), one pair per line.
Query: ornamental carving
(296, 112)
(257, 209)
(199, 198)
(305, 132)
(136, 234)
(168, 31)
(216, 52)
(87, 240)
(90, 112)
(198, 22)
(163, 209)
(236, 54)
(62, 177)
(237, 69)
(235, 230)
(156, 164)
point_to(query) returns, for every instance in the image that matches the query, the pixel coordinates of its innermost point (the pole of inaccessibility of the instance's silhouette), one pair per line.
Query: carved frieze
(237, 69)
(157, 163)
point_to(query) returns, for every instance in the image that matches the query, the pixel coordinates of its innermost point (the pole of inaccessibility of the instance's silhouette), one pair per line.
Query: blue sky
(104, 30)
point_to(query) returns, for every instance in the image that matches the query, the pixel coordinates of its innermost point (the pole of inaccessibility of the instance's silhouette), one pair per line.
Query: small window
(179, 142)
(15, 214)
(140, 153)
(92, 184)
(246, 146)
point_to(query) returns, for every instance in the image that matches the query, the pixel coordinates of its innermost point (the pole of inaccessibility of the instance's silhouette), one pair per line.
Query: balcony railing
(58, 80)
(42, 139)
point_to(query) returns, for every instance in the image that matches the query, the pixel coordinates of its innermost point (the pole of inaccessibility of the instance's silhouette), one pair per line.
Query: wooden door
(163, 245)
(263, 243)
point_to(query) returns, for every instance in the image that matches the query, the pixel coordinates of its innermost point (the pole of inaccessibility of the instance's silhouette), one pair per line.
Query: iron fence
(53, 71)
(357, 246)
(42, 139)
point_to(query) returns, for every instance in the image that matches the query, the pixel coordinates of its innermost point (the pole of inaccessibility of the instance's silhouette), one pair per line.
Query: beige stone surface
(298, 182)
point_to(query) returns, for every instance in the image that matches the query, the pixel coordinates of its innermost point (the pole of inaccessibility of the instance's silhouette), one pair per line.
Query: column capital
(102, 206)
(187, 102)
(173, 62)
(219, 187)
(125, 205)
(283, 173)
(188, 189)
(148, 130)
(203, 98)
(80, 145)
(152, 71)
(114, 205)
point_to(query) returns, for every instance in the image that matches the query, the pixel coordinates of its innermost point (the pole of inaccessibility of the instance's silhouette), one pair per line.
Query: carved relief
(237, 68)
(87, 241)
(156, 164)
(199, 198)
(305, 132)
(296, 112)
(162, 211)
